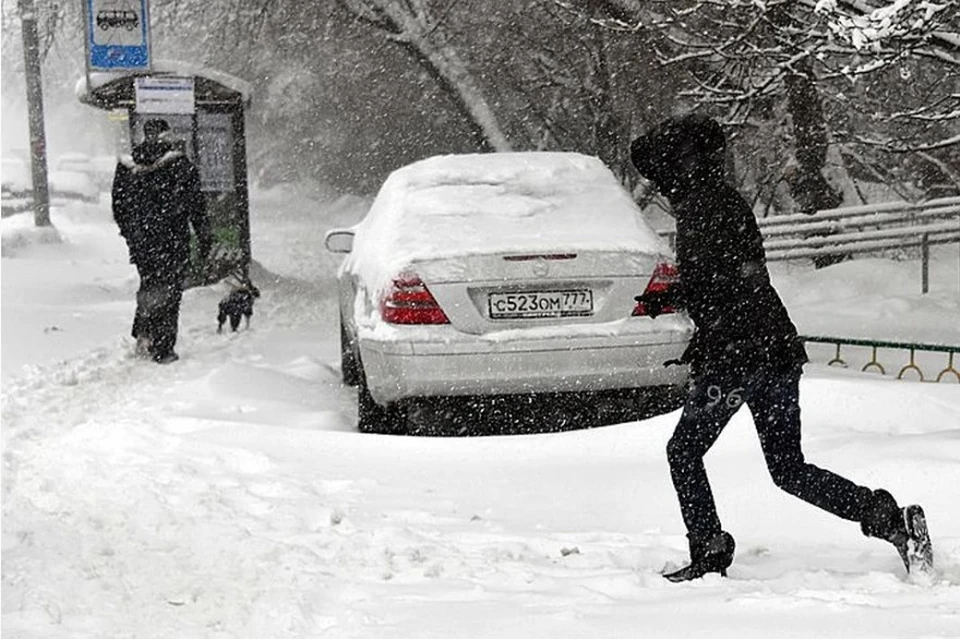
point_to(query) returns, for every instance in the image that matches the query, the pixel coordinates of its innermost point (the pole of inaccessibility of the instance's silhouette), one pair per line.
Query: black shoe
(706, 556)
(905, 528)
(165, 358)
(914, 545)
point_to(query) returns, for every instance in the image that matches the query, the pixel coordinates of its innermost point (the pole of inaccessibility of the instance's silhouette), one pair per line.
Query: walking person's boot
(168, 357)
(713, 554)
(162, 351)
(905, 528)
(144, 347)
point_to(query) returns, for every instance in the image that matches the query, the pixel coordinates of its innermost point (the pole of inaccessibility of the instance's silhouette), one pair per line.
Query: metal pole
(87, 28)
(240, 181)
(925, 263)
(38, 140)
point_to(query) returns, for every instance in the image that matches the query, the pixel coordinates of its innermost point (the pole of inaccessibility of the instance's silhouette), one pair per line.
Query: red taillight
(409, 301)
(664, 276)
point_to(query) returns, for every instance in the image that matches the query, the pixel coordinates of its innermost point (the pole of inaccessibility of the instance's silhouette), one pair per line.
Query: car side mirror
(339, 241)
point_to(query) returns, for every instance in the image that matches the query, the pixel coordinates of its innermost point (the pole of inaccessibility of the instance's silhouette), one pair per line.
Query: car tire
(349, 367)
(374, 418)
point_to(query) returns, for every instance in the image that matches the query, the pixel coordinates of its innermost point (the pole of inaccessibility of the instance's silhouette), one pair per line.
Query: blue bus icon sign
(118, 35)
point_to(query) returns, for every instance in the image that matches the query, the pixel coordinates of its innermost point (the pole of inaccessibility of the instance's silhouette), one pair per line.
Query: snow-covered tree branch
(412, 24)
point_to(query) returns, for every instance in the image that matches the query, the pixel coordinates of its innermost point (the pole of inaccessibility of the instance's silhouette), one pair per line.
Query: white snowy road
(229, 495)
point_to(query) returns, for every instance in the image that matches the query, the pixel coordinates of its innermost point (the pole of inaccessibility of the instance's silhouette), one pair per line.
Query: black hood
(681, 154)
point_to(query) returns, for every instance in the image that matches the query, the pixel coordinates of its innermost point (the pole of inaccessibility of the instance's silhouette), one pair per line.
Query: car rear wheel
(349, 368)
(374, 418)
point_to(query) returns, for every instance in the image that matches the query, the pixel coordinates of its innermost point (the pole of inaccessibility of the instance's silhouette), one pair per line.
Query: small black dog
(238, 302)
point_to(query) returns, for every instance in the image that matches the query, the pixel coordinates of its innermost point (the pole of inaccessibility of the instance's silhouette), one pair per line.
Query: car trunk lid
(484, 293)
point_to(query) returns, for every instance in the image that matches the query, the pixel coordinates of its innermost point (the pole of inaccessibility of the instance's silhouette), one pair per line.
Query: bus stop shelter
(205, 110)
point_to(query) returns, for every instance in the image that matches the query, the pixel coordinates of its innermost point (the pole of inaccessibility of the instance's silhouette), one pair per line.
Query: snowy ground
(229, 495)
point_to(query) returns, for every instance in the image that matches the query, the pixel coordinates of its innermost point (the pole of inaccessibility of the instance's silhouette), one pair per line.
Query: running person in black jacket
(745, 349)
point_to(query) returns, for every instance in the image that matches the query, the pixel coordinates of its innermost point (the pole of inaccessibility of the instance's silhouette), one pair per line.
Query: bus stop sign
(118, 35)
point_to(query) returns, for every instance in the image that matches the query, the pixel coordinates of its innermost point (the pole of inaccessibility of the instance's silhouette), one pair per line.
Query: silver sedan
(503, 276)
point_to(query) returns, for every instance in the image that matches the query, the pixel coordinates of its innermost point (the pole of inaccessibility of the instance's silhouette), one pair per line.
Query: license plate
(540, 304)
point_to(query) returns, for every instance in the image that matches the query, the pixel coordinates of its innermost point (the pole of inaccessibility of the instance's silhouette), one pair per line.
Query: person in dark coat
(156, 200)
(745, 349)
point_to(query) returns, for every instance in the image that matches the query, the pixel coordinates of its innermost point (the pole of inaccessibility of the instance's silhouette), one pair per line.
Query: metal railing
(911, 367)
(861, 229)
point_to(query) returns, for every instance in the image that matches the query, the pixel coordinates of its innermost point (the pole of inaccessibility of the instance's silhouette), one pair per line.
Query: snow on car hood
(488, 203)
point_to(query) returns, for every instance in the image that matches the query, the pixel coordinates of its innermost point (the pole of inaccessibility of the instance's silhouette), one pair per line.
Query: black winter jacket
(156, 199)
(724, 283)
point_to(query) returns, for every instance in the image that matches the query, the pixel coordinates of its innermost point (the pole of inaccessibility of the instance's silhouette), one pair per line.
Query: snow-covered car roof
(74, 162)
(74, 156)
(72, 182)
(15, 175)
(486, 203)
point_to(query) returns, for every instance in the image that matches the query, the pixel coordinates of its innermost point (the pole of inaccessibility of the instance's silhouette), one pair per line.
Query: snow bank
(19, 231)
(875, 298)
(288, 228)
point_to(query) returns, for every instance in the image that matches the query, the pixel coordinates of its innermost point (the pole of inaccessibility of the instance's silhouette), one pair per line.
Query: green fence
(939, 360)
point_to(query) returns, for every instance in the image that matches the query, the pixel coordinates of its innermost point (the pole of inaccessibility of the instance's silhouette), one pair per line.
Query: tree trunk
(608, 128)
(808, 186)
(409, 24)
(448, 69)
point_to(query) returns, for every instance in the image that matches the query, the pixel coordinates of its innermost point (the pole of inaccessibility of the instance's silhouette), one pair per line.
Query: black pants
(158, 307)
(773, 398)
